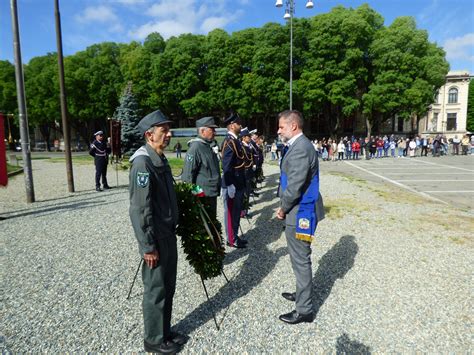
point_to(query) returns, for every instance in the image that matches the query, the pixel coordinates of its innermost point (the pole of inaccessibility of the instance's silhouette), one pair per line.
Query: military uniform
(201, 167)
(249, 166)
(154, 216)
(233, 169)
(100, 151)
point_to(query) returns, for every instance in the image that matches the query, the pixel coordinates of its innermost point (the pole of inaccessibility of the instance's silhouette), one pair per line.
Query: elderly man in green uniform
(154, 215)
(201, 165)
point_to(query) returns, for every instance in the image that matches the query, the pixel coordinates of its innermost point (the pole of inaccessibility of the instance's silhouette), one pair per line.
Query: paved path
(447, 180)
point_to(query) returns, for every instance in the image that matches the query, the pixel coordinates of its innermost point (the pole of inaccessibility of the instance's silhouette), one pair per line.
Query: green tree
(42, 94)
(8, 102)
(470, 108)
(129, 114)
(407, 72)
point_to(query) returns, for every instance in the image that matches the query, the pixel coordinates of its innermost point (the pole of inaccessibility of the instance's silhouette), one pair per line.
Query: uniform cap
(253, 131)
(101, 133)
(155, 118)
(233, 118)
(244, 132)
(206, 122)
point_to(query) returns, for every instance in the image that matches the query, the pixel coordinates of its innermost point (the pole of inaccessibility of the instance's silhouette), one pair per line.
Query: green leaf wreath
(200, 237)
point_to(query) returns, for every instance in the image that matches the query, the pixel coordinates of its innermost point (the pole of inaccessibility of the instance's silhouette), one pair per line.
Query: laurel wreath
(200, 236)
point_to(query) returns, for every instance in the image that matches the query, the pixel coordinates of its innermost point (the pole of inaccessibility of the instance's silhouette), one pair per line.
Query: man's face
(286, 129)
(235, 128)
(208, 133)
(99, 137)
(246, 139)
(161, 137)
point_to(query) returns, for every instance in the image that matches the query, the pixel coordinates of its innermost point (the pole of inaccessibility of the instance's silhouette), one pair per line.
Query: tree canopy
(346, 64)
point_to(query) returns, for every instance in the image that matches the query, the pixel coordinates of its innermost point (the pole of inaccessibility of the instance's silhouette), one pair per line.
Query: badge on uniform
(189, 157)
(142, 179)
(303, 223)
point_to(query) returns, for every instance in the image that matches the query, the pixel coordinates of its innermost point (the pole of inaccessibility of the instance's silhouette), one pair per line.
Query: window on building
(433, 125)
(451, 122)
(436, 97)
(453, 96)
(400, 122)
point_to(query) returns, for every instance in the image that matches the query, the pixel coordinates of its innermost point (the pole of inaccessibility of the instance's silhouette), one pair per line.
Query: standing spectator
(355, 149)
(333, 150)
(436, 145)
(393, 145)
(372, 147)
(273, 150)
(379, 145)
(465, 144)
(100, 151)
(340, 150)
(386, 146)
(444, 145)
(456, 143)
(177, 148)
(472, 144)
(412, 148)
(348, 144)
(424, 146)
(401, 147)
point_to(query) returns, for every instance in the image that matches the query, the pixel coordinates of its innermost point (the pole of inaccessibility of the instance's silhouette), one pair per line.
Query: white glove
(231, 191)
(215, 149)
(254, 167)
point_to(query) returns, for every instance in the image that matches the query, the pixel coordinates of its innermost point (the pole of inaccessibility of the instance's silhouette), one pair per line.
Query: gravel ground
(392, 273)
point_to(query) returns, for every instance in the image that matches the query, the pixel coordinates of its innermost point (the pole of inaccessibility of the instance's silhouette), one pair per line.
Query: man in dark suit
(233, 180)
(301, 207)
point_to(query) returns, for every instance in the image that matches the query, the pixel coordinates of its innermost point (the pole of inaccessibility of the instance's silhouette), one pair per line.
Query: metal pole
(292, 11)
(62, 95)
(22, 114)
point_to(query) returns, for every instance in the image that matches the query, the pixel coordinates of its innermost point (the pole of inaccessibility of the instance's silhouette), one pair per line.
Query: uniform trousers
(159, 287)
(100, 171)
(232, 209)
(300, 256)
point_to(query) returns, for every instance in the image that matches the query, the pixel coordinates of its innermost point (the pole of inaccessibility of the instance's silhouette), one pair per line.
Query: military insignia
(303, 223)
(143, 179)
(190, 157)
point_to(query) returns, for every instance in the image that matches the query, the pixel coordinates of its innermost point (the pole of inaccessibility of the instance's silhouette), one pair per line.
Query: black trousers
(100, 171)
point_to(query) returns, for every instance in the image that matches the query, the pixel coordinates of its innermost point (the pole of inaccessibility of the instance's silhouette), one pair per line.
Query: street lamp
(289, 13)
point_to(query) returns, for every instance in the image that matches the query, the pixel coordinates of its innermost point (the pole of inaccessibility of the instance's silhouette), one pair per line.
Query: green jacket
(153, 205)
(201, 167)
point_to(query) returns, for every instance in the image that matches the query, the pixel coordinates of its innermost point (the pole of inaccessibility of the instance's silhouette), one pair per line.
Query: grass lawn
(12, 168)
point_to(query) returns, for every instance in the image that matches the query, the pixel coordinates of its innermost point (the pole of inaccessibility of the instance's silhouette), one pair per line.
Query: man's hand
(231, 191)
(151, 259)
(280, 214)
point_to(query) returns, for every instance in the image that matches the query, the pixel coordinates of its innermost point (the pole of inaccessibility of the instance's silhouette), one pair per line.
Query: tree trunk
(368, 126)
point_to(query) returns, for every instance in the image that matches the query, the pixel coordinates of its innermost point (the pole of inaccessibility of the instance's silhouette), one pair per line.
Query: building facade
(448, 114)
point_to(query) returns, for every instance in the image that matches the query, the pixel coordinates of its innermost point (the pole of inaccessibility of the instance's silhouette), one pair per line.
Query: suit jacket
(300, 164)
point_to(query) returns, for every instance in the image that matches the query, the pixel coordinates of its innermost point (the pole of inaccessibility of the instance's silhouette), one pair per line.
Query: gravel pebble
(389, 275)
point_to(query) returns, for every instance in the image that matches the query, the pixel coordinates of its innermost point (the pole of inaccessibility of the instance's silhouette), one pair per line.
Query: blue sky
(450, 23)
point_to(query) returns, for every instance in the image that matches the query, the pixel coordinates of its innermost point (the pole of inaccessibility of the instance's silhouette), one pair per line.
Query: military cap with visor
(233, 118)
(155, 118)
(206, 122)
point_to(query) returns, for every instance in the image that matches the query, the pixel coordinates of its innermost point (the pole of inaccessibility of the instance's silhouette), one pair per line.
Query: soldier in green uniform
(154, 215)
(201, 165)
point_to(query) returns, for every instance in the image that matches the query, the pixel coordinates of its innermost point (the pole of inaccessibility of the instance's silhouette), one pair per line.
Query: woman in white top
(412, 147)
(341, 148)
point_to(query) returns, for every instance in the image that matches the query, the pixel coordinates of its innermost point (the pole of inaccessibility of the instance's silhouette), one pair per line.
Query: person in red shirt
(379, 144)
(355, 149)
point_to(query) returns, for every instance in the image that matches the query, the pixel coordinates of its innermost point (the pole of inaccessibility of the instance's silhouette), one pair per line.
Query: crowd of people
(352, 148)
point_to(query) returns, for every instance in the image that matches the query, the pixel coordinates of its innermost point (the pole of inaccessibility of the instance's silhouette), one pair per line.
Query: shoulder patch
(143, 179)
(189, 157)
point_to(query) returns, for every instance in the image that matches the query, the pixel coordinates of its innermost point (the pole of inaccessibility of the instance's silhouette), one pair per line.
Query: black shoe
(289, 296)
(166, 347)
(107, 187)
(241, 241)
(295, 318)
(237, 245)
(178, 338)
(98, 189)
